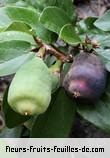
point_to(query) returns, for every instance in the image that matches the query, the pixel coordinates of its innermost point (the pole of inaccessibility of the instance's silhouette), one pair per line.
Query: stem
(54, 51)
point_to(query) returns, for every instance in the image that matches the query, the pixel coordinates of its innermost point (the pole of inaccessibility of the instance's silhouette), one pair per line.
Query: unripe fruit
(30, 90)
(55, 75)
(55, 81)
(86, 78)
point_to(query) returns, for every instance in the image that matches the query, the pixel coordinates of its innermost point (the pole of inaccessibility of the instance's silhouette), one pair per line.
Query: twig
(54, 51)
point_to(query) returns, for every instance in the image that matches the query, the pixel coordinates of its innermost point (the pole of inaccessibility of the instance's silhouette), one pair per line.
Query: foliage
(21, 22)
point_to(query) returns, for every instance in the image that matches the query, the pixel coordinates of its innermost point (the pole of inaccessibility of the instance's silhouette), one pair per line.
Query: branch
(54, 51)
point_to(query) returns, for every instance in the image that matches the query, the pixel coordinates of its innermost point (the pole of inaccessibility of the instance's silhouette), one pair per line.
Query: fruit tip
(25, 113)
(76, 94)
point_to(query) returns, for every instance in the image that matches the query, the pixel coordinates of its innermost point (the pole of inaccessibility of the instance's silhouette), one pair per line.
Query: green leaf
(57, 121)
(87, 27)
(46, 35)
(68, 7)
(22, 3)
(69, 35)
(11, 133)
(12, 14)
(63, 4)
(99, 113)
(10, 1)
(12, 49)
(12, 118)
(41, 4)
(50, 60)
(29, 123)
(108, 66)
(103, 40)
(16, 35)
(66, 68)
(19, 26)
(105, 56)
(87, 24)
(108, 86)
(103, 22)
(54, 18)
(11, 66)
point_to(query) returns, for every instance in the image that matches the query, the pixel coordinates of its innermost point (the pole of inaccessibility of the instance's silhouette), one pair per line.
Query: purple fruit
(86, 78)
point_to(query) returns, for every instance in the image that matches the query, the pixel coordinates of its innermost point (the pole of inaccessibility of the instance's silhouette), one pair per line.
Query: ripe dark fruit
(86, 78)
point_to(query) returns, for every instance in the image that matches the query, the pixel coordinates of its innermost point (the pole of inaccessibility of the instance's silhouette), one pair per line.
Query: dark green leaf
(46, 35)
(68, 7)
(86, 24)
(12, 14)
(16, 35)
(11, 133)
(103, 39)
(54, 18)
(57, 121)
(12, 49)
(69, 35)
(19, 26)
(50, 60)
(29, 124)
(103, 22)
(41, 4)
(66, 68)
(63, 4)
(104, 54)
(12, 118)
(108, 66)
(99, 113)
(108, 86)
(87, 27)
(10, 1)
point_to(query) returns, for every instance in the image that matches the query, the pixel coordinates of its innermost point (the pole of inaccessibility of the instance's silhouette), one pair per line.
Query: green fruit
(55, 75)
(30, 90)
(55, 81)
